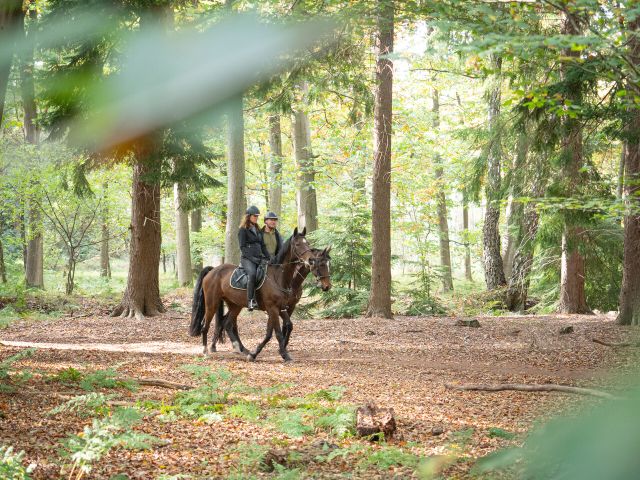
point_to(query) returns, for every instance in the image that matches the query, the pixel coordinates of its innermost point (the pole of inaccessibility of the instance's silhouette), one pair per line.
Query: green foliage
(107, 378)
(5, 369)
(84, 405)
(245, 410)
(11, 466)
(69, 374)
(103, 435)
(591, 443)
(350, 264)
(387, 457)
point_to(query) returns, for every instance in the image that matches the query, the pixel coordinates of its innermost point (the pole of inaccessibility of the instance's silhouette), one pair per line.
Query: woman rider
(253, 249)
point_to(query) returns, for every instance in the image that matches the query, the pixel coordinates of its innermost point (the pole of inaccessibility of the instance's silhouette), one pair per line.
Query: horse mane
(283, 251)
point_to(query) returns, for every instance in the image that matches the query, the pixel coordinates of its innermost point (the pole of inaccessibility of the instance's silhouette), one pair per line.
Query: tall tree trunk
(105, 263)
(142, 295)
(380, 296)
(196, 227)
(516, 210)
(275, 166)
(306, 192)
(3, 268)
(10, 26)
(443, 224)
(493, 268)
(183, 245)
(34, 269)
(236, 203)
(35, 251)
(524, 237)
(468, 275)
(630, 291)
(572, 271)
(621, 168)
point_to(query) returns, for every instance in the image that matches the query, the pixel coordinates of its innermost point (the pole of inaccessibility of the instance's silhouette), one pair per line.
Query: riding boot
(251, 293)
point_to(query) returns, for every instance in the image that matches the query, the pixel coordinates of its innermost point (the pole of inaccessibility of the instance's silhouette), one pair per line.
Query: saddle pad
(239, 278)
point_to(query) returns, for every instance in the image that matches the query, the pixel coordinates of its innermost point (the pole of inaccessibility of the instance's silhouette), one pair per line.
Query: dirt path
(402, 363)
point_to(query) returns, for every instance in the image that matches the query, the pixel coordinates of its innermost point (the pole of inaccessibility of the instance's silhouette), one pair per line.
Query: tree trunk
(465, 232)
(443, 224)
(306, 192)
(35, 250)
(493, 268)
(630, 291)
(380, 296)
(275, 167)
(142, 295)
(183, 245)
(105, 263)
(621, 168)
(10, 17)
(524, 237)
(572, 271)
(236, 203)
(196, 227)
(516, 210)
(3, 267)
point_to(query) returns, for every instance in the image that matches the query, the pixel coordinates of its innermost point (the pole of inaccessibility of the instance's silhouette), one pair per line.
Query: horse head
(319, 266)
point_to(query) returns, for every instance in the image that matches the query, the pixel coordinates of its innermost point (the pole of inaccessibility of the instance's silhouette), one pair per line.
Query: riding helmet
(270, 215)
(253, 210)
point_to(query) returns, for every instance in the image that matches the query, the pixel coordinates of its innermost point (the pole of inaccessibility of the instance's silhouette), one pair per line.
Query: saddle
(239, 278)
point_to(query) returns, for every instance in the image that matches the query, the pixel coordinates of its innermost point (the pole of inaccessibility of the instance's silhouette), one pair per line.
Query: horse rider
(271, 235)
(254, 251)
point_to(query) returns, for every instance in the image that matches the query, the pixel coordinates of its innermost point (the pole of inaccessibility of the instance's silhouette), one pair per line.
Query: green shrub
(11, 466)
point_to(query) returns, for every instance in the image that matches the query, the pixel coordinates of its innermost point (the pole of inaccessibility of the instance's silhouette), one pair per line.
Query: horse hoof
(287, 359)
(251, 357)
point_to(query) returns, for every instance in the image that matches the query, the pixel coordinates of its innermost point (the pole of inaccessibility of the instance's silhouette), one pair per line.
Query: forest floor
(271, 419)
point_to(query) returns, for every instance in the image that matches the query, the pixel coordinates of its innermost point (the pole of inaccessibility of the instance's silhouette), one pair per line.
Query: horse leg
(252, 356)
(274, 321)
(208, 316)
(287, 326)
(232, 332)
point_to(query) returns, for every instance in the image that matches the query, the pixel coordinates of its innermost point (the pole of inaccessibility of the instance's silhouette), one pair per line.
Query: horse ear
(304, 231)
(295, 232)
(328, 249)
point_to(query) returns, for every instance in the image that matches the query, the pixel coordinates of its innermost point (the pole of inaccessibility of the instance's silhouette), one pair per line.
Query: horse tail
(197, 310)
(221, 319)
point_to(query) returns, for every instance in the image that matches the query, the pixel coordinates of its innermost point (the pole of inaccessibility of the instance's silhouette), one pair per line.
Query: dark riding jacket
(278, 240)
(252, 245)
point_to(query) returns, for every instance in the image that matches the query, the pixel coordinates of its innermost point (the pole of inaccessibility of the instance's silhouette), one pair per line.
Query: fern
(245, 410)
(331, 394)
(339, 421)
(107, 378)
(84, 405)
(291, 422)
(103, 435)
(388, 457)
(5, 367)
(11, 466)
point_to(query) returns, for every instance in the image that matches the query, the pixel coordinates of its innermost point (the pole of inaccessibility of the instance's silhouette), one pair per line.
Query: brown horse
(213, 288)
(319, 265)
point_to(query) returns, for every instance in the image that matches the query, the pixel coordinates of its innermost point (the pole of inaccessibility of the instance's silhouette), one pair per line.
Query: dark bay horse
(318, 263)
(213, 289)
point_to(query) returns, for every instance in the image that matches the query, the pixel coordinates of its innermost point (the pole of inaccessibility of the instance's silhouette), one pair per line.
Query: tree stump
(371, 420)
(468, 323)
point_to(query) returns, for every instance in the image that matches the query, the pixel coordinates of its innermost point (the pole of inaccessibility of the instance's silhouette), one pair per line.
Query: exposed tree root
(531, 388)
(613, 344)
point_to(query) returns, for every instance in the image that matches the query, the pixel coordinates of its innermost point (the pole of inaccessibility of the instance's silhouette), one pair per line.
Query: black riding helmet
(270, 215)
(253, 210)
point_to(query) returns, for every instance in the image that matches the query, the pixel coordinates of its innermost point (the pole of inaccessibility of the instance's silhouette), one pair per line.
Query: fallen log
(613, 344)
(158, 382)
(371, 421)
(549, 387)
